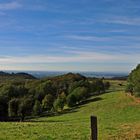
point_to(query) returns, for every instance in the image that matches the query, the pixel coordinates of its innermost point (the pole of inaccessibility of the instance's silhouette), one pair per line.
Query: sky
(70, 35)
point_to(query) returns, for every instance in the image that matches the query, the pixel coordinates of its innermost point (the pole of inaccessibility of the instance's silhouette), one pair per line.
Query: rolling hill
(4, 76)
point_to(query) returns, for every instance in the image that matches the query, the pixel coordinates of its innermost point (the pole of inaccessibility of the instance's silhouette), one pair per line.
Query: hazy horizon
(42, 74)
(60, 35)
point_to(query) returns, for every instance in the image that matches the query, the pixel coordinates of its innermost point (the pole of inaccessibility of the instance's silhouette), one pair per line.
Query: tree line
(35, 97)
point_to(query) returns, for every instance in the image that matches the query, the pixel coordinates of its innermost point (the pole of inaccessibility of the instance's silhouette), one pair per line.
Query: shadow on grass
(94, 98)
(54, 114)
(90, 100)
(66, 111)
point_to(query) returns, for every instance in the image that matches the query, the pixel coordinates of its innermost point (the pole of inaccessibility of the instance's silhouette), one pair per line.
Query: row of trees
(47, 95)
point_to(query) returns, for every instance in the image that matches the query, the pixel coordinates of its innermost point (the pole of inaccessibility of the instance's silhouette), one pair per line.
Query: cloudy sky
(69, 35)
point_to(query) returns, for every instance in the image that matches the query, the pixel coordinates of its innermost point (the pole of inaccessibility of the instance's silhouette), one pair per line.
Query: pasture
(118, 119)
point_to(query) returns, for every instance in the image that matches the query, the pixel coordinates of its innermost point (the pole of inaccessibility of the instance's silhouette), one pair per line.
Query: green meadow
(118, 119)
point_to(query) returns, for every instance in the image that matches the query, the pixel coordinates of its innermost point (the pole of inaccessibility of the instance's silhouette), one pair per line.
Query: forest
(22, 95)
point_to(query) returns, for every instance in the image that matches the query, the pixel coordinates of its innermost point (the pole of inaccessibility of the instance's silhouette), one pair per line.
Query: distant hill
(24, 75)
(4, 76)
(68, 77)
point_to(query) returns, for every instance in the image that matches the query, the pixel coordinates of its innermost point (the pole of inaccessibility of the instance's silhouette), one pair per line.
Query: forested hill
(4, 76)
(71, 77)
(19, 99)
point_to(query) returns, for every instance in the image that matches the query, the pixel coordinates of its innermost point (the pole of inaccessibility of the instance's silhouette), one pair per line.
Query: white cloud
(77, 56)
(10, 5)
(123, 20)
(78, 60)
(88, 38)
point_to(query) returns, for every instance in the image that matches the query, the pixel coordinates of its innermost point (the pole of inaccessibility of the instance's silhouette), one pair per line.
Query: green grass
(115, 85)
(118, 119)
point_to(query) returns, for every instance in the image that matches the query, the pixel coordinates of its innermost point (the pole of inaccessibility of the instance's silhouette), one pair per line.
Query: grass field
(118, 119)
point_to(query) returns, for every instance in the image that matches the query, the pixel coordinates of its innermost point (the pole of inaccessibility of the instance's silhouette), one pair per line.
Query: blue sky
(75, 35)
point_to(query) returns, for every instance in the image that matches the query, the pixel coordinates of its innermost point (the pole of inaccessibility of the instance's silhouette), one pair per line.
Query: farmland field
(118, 119)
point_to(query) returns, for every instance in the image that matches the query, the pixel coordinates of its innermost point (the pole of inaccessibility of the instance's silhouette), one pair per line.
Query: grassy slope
(118, 117)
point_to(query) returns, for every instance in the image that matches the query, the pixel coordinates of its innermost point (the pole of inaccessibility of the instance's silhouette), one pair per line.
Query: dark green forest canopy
(28, 96)
(8, 77)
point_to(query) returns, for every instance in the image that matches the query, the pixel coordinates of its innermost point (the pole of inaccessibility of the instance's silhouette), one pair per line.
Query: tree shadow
(54, 114)
(90, 100)
(66, 111)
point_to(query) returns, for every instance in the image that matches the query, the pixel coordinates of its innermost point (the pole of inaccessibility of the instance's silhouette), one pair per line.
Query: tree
(37, 108)
(60, 102)
(44, 89)
(20, 91)
(71, 100)
(81, 83)
(13, 107)
(25, 107)
(100, 86)
(78, 94)
(133, 82)
(3, 106)
(47, 102)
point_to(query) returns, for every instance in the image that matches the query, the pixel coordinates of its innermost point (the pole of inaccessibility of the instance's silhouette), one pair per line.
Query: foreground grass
(118, 119)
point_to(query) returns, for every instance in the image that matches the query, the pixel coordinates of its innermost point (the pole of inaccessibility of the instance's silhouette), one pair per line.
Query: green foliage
(129, 88)
(100, 86)
(13, 91)
(13, 107)
(60, 102)
(24, 97)
(107, 85)
(74, 85)
(43, 89)
(25, 107)
(9, 91)
(71, 100)
(81, 93)
(78, 94)
(133, 85)
(47, 102)
(37, 108)
(118, 119)
(3, 105)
